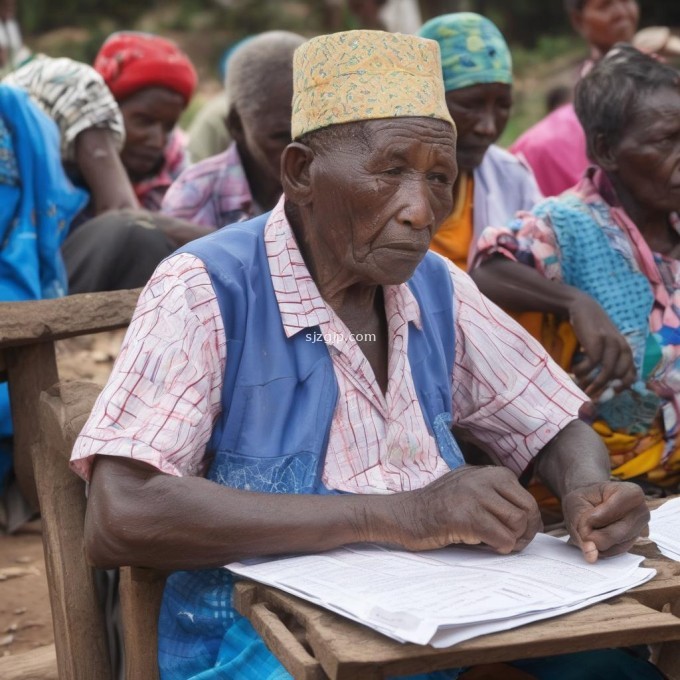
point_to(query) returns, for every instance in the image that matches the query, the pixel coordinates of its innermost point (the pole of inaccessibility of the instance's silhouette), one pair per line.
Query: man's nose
(417, 212)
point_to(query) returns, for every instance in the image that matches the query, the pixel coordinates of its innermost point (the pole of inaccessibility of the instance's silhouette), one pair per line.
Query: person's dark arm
(139, 516)
(519, 288)
(603, 517)
(100, 165)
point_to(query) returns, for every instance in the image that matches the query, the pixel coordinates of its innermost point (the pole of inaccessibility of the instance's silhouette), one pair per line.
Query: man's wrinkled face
(379, 196)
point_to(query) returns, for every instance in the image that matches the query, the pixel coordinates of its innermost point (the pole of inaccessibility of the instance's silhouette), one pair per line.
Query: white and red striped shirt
(164, 394)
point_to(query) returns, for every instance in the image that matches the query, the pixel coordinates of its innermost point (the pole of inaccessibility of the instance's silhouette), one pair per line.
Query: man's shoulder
(236, 243)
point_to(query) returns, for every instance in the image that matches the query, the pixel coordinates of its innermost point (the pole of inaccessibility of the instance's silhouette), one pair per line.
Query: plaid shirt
(213, 193)
(164, 394)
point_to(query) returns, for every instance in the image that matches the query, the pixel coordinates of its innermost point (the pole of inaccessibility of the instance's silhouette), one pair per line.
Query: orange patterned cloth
(363, 75)
(454, 237)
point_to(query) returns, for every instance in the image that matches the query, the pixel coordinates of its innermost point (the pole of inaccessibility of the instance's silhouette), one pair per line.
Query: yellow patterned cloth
(363, 75)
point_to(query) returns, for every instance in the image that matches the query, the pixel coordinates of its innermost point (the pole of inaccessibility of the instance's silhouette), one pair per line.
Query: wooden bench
(48, 415)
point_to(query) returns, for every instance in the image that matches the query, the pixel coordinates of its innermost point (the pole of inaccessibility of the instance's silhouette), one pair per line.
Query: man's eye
(440, 178)
(393, 171)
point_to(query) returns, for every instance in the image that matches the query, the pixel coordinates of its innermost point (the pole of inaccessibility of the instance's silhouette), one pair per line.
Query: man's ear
(296, 162)
(603, 154)
(235, 125)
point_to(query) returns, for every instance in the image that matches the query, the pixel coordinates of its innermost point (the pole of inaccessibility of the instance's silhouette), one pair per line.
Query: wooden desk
(316, 644)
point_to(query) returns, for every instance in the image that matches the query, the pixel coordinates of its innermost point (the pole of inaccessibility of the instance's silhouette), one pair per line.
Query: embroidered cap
(363, 75)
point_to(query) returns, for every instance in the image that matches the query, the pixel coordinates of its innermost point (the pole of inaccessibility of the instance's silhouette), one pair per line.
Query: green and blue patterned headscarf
(472, 48)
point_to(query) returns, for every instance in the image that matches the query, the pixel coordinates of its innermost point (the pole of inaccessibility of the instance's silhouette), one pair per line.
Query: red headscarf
(130, 61)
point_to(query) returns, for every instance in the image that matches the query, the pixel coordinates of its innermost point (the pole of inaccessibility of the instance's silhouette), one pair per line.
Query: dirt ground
(25, 618)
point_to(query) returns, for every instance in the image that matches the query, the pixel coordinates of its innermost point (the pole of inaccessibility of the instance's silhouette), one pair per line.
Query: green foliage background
(522, 21)
(545, 49)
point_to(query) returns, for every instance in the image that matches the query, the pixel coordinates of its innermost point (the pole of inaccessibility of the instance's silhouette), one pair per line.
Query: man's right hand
(471, 505)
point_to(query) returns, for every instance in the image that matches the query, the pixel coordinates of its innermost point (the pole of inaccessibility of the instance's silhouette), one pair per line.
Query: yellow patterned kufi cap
(362, 75)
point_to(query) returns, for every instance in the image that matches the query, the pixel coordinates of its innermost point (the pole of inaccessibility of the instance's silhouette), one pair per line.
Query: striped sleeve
(164, 393)
(507, 391)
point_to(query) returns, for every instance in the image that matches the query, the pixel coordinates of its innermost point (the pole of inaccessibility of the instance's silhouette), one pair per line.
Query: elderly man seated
(228, 431)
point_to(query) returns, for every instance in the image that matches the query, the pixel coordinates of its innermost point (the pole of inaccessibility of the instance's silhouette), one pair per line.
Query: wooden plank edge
(46, 320)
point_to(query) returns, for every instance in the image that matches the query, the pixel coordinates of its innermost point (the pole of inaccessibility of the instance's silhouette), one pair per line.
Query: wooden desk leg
(669, 652)
(30, 370)
(282, 641)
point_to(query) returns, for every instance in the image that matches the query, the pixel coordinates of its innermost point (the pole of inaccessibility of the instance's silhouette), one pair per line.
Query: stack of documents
(664, 529)
(443, 597)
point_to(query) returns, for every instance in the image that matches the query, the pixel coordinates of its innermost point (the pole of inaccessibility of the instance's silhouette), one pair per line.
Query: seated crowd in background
(120, 142)
(492, 184)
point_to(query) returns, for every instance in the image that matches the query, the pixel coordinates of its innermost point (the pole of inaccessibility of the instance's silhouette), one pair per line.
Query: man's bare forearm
(137, 516)
(575, 458)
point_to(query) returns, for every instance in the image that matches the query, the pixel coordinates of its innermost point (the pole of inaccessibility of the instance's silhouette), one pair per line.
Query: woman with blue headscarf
(492, 184)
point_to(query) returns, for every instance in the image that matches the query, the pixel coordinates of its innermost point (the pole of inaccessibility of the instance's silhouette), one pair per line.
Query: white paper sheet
(664, 528)
(445, 596)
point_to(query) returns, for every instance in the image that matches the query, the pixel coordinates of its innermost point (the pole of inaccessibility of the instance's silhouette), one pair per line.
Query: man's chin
(396, 271)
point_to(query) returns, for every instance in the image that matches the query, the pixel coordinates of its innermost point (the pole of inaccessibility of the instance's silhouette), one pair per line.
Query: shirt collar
(300, 303)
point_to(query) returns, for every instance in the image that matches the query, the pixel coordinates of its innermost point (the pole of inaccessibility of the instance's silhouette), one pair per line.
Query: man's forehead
(418, 125)
(392, 134)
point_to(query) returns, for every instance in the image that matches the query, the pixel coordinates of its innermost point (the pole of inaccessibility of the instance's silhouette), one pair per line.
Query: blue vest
(278, 400)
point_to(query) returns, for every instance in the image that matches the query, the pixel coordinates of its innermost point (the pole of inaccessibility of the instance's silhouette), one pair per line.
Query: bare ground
(25, 617)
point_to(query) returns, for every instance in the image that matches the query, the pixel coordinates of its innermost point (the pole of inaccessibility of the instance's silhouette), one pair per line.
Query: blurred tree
(44, 15)
(522, 21)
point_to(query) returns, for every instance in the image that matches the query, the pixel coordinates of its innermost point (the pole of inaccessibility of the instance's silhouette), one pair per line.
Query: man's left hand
(606, 519)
